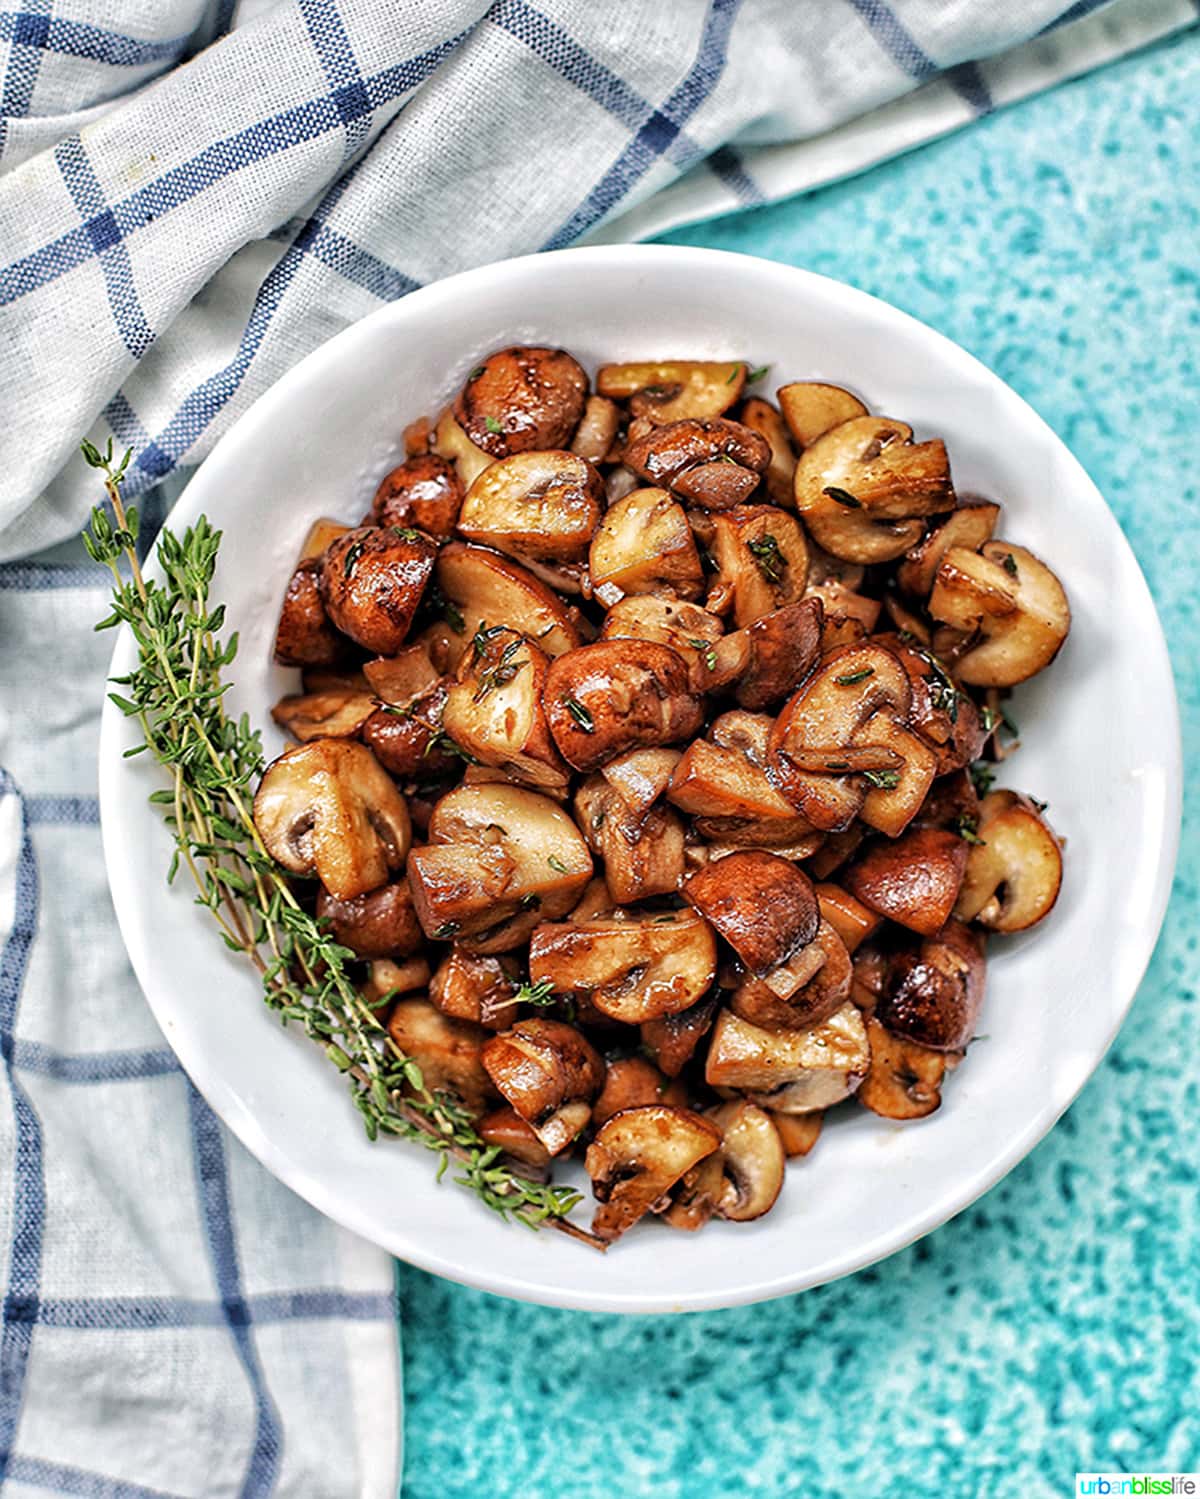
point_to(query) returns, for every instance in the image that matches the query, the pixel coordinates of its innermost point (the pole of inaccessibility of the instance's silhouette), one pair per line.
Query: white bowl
(1100, 743)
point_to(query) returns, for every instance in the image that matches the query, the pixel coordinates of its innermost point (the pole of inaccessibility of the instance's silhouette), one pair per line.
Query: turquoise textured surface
(1055, 1325)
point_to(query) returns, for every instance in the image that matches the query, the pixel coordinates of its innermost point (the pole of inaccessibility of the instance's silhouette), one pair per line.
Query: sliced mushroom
(643, 852)
(904, 1078)
(913, 880)
(854, 701)
(638, 1156)
(540, 507)
(597, 430)
(865, 487)
(632, 968)
(423, 492)
(522, 398)
(389, 979)
(850, 919)
(673, 1039)
(618, 695)
(467, 986)
(379, 924)
(323, 715)
(487, 589)
(943, 715)
(1013, 874)
(321, 536)
(505, 1129)
(449, 1052)
(674, 389)
(693, 1198)
(762, 562)
(752, 1160)
(933, 995)
(761, 417)
(692, 633)
(763, 906)
(631, 1082)
(549, 1072)
(412, 741)
(784, 646)
(836, 850)
(402, 679)
(792, 1072)
(499, 858)
(494, 709)
(641, 776)
(372, 580)
(806, 989)
(722, 782)
(811, 409)
(1012, 600)
(970, 525)
(451, 442)
(798, 1132)
(644, 545)
(694, 454)
(329, 809)
(305, 635)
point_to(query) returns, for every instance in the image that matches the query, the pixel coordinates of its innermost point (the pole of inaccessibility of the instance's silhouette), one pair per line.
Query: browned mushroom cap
(673, 1039)
(336, 714)
(411, 741)
(722, 782)
(913, 879)
(641, 776)
(644, 545)
(329, 809)
(494, 709)
(549, 1072)
(807, 988)
(540, 506)
(904, 1078)
(484, 588)
(505, 1128)
(849, 711)
(452, 443)
(638, 1156)
(618, 695)
(631, 968)
(797, 1132)
(1012, 600)
(794, 1072)
(970, 525)
(722, 459)
(784, 646)
(597, 430)
(933, 995)
(836, 850)
(472, 987)
(522, 398)
(631, 1082)
(424, 491)
(864, 487)
(643, 852)
(674, 389)
(752, 1161)
(449, 1052)
(761, 417)
(304, 635)
(850, 919)
(940, 712)
(691, 632)
(763, 906)
(1014, 872)
(380, 924)
(498, 858)
(372, 580)
(762, 562)
(811, 409)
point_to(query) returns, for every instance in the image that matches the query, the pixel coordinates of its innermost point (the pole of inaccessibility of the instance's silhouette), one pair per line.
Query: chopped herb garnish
(707, 651)
(1040, 805)
(492, 424)
(598, 820)
(443, 742)
(540, 995)
(837, 765)
(352, 555)
(855, 676)
(1010, 564)
(556, 864)
(884, 780)
(990, 718)
(756, 373)
(659, 920)
(659, 392)
(453, 616)
(733, 373)
(447, 930)
(409, 533)
(530, 902)
(967, 828)
(765, 551)
(983, 776)
(580, 714)
(476, 372)
(842, 496)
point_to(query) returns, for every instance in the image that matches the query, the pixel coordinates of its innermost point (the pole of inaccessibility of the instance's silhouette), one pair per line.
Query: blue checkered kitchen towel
(193, 196)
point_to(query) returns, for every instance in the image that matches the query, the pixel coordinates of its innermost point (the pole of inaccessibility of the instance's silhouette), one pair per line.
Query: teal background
(1055, 1325)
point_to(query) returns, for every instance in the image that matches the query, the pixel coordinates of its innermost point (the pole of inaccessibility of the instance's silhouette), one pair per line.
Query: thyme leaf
(765, 551)
(580, 714)
(842, 496)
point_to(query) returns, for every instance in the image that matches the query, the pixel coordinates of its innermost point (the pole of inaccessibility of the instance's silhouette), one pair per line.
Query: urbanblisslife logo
(1136, 1483)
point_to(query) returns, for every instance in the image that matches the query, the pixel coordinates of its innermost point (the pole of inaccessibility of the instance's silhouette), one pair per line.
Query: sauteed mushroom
(372, 580)
(305, 635)
(903, 1079)
(1012, 600)
(379, 924)
(913, 879)
(423, 492)
(468, 986)
(522, 398)
(1013, 873)
(549, 1072)
(762, 562)
(932, 995)
(761, 417)
(718, 462)
(449, 1052)
(644, 545)
(540, 507)
(811, 409)
(638, 1156)
(484, 588)
(791, 1072)
(632, 1082)
(674, 389)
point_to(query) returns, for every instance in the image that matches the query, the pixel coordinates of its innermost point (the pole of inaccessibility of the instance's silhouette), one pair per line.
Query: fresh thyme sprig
(177, 692)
